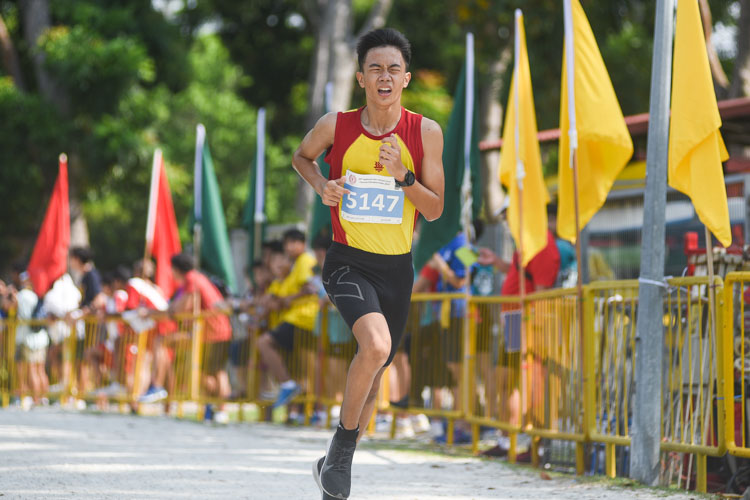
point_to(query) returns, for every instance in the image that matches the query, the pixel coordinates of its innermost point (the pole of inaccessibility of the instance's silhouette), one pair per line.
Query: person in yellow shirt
(298, 308)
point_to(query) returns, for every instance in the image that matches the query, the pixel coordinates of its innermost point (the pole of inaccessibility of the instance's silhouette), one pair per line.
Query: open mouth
(384, 91)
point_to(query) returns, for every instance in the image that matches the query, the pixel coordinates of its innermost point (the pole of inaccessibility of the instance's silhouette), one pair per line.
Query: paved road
(51, 453)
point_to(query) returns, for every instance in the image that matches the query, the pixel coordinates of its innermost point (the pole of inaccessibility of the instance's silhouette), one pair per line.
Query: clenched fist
(390, 157)
(333, 191)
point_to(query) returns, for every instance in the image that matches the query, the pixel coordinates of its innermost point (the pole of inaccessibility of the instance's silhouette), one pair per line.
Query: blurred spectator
(59, 302)
(92, 299)
(298, 309)
(113, 289)
(144, 297)
(31, 339)
(539, 274)
(197, 293)
(82, 266)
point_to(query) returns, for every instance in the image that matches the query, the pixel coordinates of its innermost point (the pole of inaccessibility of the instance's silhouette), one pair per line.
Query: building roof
(735, 113)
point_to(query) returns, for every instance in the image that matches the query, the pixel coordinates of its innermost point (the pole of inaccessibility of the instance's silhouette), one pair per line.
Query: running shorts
(360, 282)
(283, 336)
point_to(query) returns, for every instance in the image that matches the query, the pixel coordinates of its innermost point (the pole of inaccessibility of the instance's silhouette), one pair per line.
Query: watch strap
(409, 179)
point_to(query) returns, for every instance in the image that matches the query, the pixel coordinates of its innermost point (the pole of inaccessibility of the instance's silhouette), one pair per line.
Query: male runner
(386, 166)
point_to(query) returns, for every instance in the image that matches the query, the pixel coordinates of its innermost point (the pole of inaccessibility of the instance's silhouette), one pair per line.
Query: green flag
(435, 234)
(215, 251)
(253, 216)
(321, 215)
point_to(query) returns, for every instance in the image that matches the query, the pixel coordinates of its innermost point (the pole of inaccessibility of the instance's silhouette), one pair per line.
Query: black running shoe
(317, 466)
(335, 474)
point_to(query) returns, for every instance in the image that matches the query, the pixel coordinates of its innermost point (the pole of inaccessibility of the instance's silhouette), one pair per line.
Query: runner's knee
(376, 350)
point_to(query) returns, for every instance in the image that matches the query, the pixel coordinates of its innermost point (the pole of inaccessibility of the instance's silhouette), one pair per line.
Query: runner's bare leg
(374, 340)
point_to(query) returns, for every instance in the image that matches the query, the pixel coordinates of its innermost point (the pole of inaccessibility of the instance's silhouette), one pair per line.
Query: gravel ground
(52, 453)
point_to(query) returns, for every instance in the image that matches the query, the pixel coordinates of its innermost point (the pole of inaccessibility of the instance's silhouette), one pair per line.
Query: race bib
(373, 199)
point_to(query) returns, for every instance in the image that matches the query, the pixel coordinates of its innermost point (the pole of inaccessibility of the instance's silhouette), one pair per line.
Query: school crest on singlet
(376, 216)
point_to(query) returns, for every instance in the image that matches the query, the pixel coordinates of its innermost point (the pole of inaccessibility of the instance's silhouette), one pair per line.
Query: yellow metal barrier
(610, 314)
(736, 364)
(691, 423)
(487, 361)
(553, 368)
(336, 349)
(7, 360)
(496, 398)
(435, 329)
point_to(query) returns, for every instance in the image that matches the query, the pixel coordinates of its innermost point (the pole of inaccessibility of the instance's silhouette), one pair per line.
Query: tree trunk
(36, 21)
(334, 61)
(491, 121)
(741, 79)
(721, 82)
(10, 57)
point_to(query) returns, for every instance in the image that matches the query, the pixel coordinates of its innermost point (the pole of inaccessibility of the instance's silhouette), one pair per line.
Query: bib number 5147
(373, 205)
(380, 202)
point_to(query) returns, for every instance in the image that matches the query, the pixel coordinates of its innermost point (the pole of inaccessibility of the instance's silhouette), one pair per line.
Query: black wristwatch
(409, 179)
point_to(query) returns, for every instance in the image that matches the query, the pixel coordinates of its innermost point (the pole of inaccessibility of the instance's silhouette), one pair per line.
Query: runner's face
(383, 76)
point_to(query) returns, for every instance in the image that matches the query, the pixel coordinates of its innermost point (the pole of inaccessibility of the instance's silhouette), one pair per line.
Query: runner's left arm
(427, 193)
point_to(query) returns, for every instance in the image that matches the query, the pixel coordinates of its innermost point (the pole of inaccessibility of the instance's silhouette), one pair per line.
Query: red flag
(162, 237)
(49, 260)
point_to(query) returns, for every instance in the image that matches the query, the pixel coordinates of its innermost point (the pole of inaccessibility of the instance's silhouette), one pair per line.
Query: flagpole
(520, 174)
(200, 138)
(573, 146)
(196, 351)
(152, 204)
(466, 213)
(260, 180)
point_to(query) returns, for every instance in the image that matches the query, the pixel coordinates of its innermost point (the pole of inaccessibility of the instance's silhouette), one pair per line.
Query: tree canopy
(128, 76)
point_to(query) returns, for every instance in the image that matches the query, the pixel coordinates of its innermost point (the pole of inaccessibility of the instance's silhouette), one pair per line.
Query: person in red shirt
(197, 293)
(541, 272)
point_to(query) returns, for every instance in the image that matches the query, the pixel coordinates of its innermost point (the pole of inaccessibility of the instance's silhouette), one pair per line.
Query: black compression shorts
(360, 282)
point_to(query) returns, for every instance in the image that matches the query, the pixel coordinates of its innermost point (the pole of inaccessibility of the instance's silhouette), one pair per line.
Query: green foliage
(132, 78)
(428, 94)
(27, 171)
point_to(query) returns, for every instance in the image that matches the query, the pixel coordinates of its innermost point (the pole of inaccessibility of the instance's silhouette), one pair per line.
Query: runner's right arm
(304, 162)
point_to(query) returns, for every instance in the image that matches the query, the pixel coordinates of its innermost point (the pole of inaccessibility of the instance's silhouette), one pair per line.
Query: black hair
(322, 242)
(83, 254)
(293, 235)
(383, 37)
(273, 246)
(139, 268)
(182, 262)
(121, 273)
(551, 210)
(257, 264)
(108, 277)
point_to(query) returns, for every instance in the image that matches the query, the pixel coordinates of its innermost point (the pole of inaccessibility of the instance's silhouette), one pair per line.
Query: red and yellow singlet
(376, 216)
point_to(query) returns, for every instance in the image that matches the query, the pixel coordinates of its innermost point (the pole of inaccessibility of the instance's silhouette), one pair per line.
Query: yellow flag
(696, 149)
(604, 143)
(523, 161)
